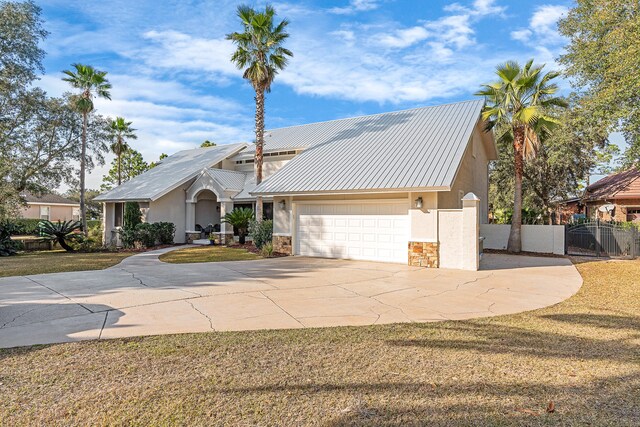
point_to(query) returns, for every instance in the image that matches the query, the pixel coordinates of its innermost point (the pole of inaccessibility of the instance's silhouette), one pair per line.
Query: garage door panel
(366, 231)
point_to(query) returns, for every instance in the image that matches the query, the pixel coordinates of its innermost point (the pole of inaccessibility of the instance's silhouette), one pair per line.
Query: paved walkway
(144, 296)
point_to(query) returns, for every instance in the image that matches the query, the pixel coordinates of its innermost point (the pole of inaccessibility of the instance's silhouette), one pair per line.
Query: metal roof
(228, 180)
(412, 149)
(172, 172)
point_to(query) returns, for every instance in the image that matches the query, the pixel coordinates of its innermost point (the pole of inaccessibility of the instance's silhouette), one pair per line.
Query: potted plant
(212, 238)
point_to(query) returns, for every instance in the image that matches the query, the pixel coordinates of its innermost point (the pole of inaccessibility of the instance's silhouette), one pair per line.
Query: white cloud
(543, 26)
(355, 6)
(175, 50)
(477, 8)
(544, 20)
(404, 38)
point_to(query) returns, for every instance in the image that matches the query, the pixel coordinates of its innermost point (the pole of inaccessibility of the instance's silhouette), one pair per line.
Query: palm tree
(121, 130)
(91, 82)
(240, 218)
(261, 55)
(519, 103)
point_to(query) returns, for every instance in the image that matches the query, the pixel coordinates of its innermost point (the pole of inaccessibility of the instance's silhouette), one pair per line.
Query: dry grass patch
(208, 254)
(582, 354)
(58, 261)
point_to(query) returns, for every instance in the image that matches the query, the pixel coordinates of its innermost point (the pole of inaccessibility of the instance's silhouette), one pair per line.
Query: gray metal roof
(412, 149)
(228, 180)
(248, 185)
(172, 172)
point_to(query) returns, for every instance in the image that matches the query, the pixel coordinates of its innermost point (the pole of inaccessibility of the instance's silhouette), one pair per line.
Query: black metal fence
(599, 238)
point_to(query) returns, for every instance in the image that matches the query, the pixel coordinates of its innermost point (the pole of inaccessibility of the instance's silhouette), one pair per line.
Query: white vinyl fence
(545, 239)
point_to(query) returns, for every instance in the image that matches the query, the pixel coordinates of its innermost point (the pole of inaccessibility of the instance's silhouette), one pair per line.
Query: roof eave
(353, 191)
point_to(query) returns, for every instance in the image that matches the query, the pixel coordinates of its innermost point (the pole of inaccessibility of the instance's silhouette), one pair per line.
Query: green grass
(582, 354)
(57, 261)
(208, 254)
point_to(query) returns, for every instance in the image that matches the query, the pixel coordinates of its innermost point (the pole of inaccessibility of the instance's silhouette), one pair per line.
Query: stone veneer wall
(192, 236)
(282, 244)
(423, 254)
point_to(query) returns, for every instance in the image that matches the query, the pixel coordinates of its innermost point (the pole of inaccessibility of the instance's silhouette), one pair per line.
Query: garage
(375, 230)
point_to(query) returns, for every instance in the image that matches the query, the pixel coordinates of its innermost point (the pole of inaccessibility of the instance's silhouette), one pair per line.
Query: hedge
(29, 226)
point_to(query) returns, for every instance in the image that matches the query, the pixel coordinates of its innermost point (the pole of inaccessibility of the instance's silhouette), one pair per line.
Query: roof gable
(418, 148)
(621, 185)
(172, 172)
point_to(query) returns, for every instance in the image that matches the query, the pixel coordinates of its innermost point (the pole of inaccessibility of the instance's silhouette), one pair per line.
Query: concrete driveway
(144, 296)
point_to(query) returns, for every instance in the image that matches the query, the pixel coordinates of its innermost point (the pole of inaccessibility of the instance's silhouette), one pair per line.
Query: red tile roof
(622, 185)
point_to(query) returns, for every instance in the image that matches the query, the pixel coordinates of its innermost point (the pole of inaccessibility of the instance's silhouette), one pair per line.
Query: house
(51, 207)
(615, 197)
(383, 187)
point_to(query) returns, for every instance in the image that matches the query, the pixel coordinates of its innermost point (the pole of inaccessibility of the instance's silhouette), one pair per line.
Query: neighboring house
(384, 187)
(51, 207)
(615, 197)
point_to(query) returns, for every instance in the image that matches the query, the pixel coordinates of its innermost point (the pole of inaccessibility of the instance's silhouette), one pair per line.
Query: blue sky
(169, 64)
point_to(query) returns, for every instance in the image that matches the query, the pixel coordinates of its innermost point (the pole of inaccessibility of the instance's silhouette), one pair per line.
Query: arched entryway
(207, 210)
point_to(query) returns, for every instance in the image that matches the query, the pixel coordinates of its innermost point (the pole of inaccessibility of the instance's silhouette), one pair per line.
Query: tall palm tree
(121, 130)
(91, 82)
(261, 54)
(519, 103)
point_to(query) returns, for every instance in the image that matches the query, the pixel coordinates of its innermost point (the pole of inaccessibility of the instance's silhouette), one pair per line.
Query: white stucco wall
(282, 217)
(472, 176)
(450, 238)
(170, 208)
(269, 167)
(548, 239)
(423, 222)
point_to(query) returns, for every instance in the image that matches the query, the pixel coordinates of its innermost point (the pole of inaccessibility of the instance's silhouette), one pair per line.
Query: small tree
(132, 215)
(240, 220)
(61, 232)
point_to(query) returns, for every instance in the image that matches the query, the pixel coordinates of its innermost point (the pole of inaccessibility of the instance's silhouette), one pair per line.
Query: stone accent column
(424, 254)
(470, 232)
(282, 244)
(226, 230)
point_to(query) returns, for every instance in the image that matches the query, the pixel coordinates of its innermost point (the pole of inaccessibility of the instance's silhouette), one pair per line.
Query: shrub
(146, 234)
(27, 226)
(267, 250)
(94, 223)
(166, 232)
(132, 215)
(7, 246)
(128, 237)
(261, 232)
(62, 232)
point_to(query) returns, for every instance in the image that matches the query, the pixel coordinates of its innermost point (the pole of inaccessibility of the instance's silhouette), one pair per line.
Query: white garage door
(365, 231)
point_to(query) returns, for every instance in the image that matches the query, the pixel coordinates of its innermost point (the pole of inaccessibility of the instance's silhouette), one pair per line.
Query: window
(75, 214)
(118, 214)
(633, 214)
(45, 212)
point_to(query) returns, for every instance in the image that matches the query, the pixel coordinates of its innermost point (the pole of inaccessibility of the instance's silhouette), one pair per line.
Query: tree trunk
(259, 147)
(64, 245)
(119, 161)
(515, 240)
(83, 159)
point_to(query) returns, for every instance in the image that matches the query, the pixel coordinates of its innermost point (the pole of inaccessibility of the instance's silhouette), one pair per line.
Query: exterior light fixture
(282, 204)
(419, 203)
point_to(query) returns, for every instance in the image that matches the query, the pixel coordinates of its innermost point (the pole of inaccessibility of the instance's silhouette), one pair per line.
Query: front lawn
(582, 354)
(58, 261)
(208, 254)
